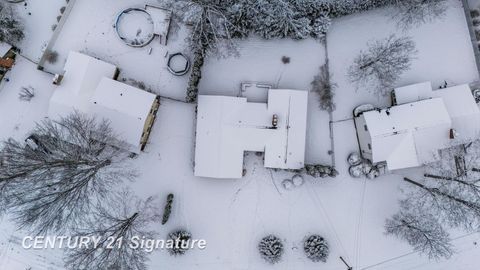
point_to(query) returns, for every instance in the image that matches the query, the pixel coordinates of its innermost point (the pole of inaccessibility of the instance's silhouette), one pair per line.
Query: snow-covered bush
(297, 180)
(180, 237)
(316, 248)
(11, 29)
(168, 209)
(195, 76)
(356, 171)
(288, 184)
(278, 19)
(346, 7)
(271, 249)
(321, 171)
(322, 85)
(51, 56)
(354, 159)
(360, 167)
(320, 25)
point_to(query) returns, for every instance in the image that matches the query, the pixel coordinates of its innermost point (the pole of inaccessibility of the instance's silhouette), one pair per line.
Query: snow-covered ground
(38, 18)
(232, 215)
(17, 117)
(94, 34)
(445, 53)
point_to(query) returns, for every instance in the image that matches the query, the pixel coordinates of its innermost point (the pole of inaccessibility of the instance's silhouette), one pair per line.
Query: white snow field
(233, 215)
(18, 117)
(38, 19)
(94, 34)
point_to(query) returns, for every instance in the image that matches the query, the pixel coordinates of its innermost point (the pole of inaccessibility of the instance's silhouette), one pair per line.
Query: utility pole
(348, 266)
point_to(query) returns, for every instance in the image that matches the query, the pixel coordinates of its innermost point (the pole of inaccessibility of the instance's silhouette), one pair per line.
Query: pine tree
(11, 29)
(271, 249)
(316, 248)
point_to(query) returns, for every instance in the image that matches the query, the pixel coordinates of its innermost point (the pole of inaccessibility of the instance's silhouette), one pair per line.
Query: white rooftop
(4, 48)
(229, 126)
(412, 133)
(398, 137)
(460, 103)
(88, 87)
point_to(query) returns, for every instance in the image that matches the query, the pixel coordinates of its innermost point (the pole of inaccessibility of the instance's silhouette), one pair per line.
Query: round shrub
(183, 238)
(271, 249)
(316, 248)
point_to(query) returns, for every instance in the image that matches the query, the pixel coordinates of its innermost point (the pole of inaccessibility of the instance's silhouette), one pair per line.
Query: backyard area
(144, 67)
(233, 215)
(40, 21)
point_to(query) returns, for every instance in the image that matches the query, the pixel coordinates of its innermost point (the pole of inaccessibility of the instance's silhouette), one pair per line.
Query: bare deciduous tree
(453, 185)
(51, 182)
(382, 63)
(26, 93)
(421, 230)
(410, 13)
(125, 217)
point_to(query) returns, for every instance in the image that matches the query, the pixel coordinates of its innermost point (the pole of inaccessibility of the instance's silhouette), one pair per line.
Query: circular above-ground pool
(135, 27)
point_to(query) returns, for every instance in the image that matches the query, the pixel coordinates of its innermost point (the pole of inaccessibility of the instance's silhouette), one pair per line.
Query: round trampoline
(135, 27)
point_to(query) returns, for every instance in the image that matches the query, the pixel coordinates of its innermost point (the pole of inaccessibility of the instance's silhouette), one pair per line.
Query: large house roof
(395, 132)
(88, 87)
(229, 126)
(412, 133)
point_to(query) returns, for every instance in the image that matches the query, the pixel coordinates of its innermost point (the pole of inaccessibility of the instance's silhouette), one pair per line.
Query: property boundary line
(56, 33)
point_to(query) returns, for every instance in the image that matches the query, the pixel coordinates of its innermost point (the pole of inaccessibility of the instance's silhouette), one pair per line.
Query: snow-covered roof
(413, 92)
(395, 132)
(460, 103)
(82, 76)
(4, 48)
(229, 126)
(412, 133)
(126, 107)
(87, 87)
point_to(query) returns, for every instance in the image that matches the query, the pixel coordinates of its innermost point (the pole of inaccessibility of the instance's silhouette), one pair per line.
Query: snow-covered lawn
(444, 53)
(90, 29)
(261, 61)
(38, 18)
(233, 215)
(17, 117)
